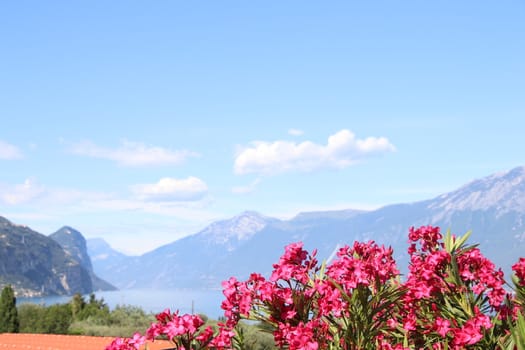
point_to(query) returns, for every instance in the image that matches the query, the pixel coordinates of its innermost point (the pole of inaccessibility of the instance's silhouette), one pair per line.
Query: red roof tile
(19, 341)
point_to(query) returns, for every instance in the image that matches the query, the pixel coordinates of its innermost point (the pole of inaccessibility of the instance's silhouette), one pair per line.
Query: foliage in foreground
(91, 317)
(453, 298)
(94, 318)
(9, 321)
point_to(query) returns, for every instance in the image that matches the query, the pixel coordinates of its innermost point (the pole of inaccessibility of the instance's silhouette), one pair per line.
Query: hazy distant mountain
(74, 244)
(186, 262)
(492, 207)
(36, 265)
(106, 261)
(500, 193)
(100, 251)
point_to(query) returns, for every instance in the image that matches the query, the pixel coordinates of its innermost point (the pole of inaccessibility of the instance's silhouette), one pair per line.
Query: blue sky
(142, 122)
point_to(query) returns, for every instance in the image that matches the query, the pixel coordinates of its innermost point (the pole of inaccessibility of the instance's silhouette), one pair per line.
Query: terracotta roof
(19, 341)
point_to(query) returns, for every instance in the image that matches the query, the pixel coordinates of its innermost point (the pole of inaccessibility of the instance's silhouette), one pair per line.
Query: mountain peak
(516, 173)
(503, 192)
(68, 230)
(239, 227)
(250, 214)
(74, 243)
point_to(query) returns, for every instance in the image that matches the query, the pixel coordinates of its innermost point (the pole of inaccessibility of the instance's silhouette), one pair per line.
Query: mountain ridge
(492, 207)
(494, 190)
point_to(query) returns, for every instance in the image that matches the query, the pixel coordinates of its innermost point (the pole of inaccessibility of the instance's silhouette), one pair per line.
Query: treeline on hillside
(83, 317)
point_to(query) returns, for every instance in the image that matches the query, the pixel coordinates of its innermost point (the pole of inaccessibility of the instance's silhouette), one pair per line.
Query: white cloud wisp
(343, 149)
(133, 153)
(295, 132)
(21, 193)
(9, 151)
(171, 189)
(246, 189)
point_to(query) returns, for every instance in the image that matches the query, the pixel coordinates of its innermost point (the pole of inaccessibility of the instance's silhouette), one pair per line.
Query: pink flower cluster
(133, 343)
(441, 281)
(365, 264)
(174, 325)
(519, 270)
(185, 331)
(301, 296)
(453, 298)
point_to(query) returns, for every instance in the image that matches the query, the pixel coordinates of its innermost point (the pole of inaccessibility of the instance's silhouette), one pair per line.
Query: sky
(143, 122)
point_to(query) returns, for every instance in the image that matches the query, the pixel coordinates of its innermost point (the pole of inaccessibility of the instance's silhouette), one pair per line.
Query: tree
(8, 314)
(57, 319)
(32, 317)
(77, 305)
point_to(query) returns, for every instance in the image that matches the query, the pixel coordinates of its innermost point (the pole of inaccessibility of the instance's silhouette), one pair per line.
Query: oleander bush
(452, 298)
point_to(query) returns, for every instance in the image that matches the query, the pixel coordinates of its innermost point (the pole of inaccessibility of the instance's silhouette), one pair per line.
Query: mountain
(74, 244)
(36, 265)
(186, 262)
(108, 262)
(492, 207)
(102, 254)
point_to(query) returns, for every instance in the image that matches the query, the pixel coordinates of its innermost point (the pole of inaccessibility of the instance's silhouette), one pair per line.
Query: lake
(204, 301)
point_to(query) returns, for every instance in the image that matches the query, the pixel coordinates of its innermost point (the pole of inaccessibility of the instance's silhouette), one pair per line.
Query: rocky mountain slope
(36, 265)
(74, 244)
(492, 207)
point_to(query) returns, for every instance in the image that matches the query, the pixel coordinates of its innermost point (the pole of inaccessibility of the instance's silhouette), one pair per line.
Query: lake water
(205, 301)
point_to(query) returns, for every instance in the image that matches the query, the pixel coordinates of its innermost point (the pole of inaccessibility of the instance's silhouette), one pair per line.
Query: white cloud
(30, 192)
(21, 193)
(170, 197)
(133, 153)
(9, 151)
(170, 189)
(246, 189)
(46, 208)
(342, 150)
(295, 132)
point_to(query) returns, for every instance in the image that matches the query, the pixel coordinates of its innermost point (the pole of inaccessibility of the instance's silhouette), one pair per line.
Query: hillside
(36, 265)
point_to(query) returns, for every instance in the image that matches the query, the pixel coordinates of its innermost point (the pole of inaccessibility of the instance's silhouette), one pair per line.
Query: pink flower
(238, 300)
(363, 265)
(409, 323)
(175, 326)
(223, 340)
(329, 299)
(428, 236)
(295, 264)
(442, 326)
(519, 270)
(392, 323)
(137, 340)
(466, 335)
(206, 335)
(480, 272)
(300, 337)
(127, 343)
